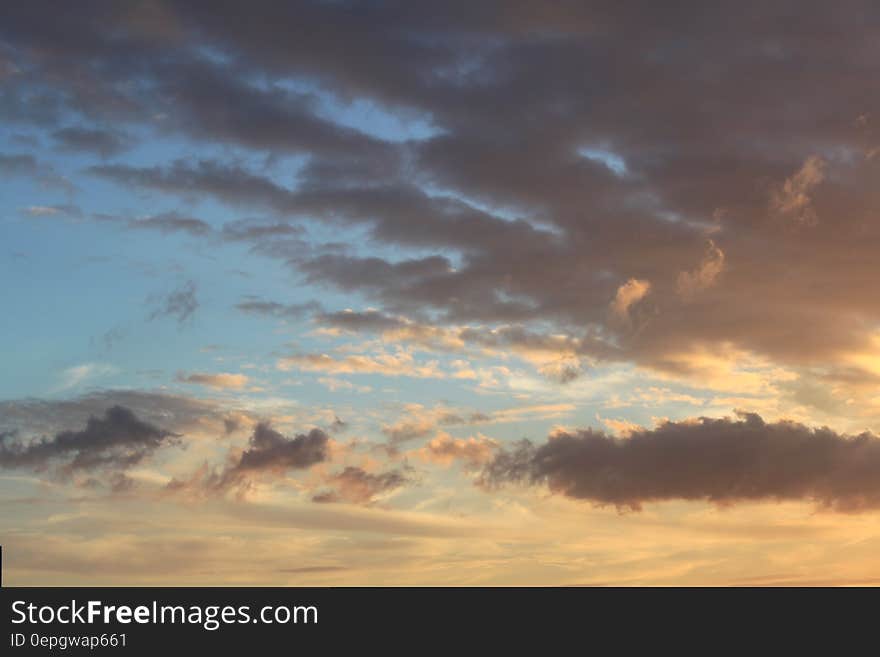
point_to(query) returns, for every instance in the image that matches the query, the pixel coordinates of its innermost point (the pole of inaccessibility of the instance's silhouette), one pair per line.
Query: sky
(472, 293)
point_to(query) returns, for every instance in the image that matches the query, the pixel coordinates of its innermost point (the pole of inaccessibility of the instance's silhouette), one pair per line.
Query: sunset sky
(473, 293)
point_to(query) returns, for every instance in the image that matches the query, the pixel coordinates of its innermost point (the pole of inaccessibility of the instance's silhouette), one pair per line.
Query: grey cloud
(92, 140)
(268, 453)
(723, 461)
(269, 450)
(258, 306)
(18, 164)
(228, 182)
(26, 165)
(444, 220)
(170, 222)
(116, 441)
(205, 101)
(165, 222)
(253, 230)
(177, 413)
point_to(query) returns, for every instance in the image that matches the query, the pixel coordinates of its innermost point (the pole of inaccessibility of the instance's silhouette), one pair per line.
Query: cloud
(357, 486)
(257, 306)
(74, 376)
(218, 381)
(166, 222)
(629, 294)
(415, 426)
(622, 428)
(386, 364)
(180, 304)
(703, 277)
(723, 461)
(227, 182)
(558, 357)
(171, 222)
(115, 442)
(269, 450)
(253, 230)
(793, 198)
(268, 454)
(419, 421)
(562, 370)
(105, 143)
(26, 165)
(490, 220)
(369, 320)
(177, 413)
(333, 384)
(473, 452)
(485, 179)
(480, 218)
(53, 210)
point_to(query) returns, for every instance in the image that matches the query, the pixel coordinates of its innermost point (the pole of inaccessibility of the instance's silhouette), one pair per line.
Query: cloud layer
(453, 225)
(578, 201)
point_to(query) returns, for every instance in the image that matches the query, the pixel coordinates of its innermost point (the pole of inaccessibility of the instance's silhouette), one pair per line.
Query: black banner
(404, 620)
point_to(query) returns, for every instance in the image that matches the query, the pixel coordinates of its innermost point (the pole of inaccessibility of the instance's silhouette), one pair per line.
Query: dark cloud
(180, 304)
(117, 441)
(177, 413)
(357, 486)
(723, 461)
(269, 450)
(165, 222)
(18, 164)
(26, 165)
(268, 453)
(170, 222)
(258, 306)
(556, 160)
(249, 230)
(206, 102)
(230, 183)
(105, 143)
